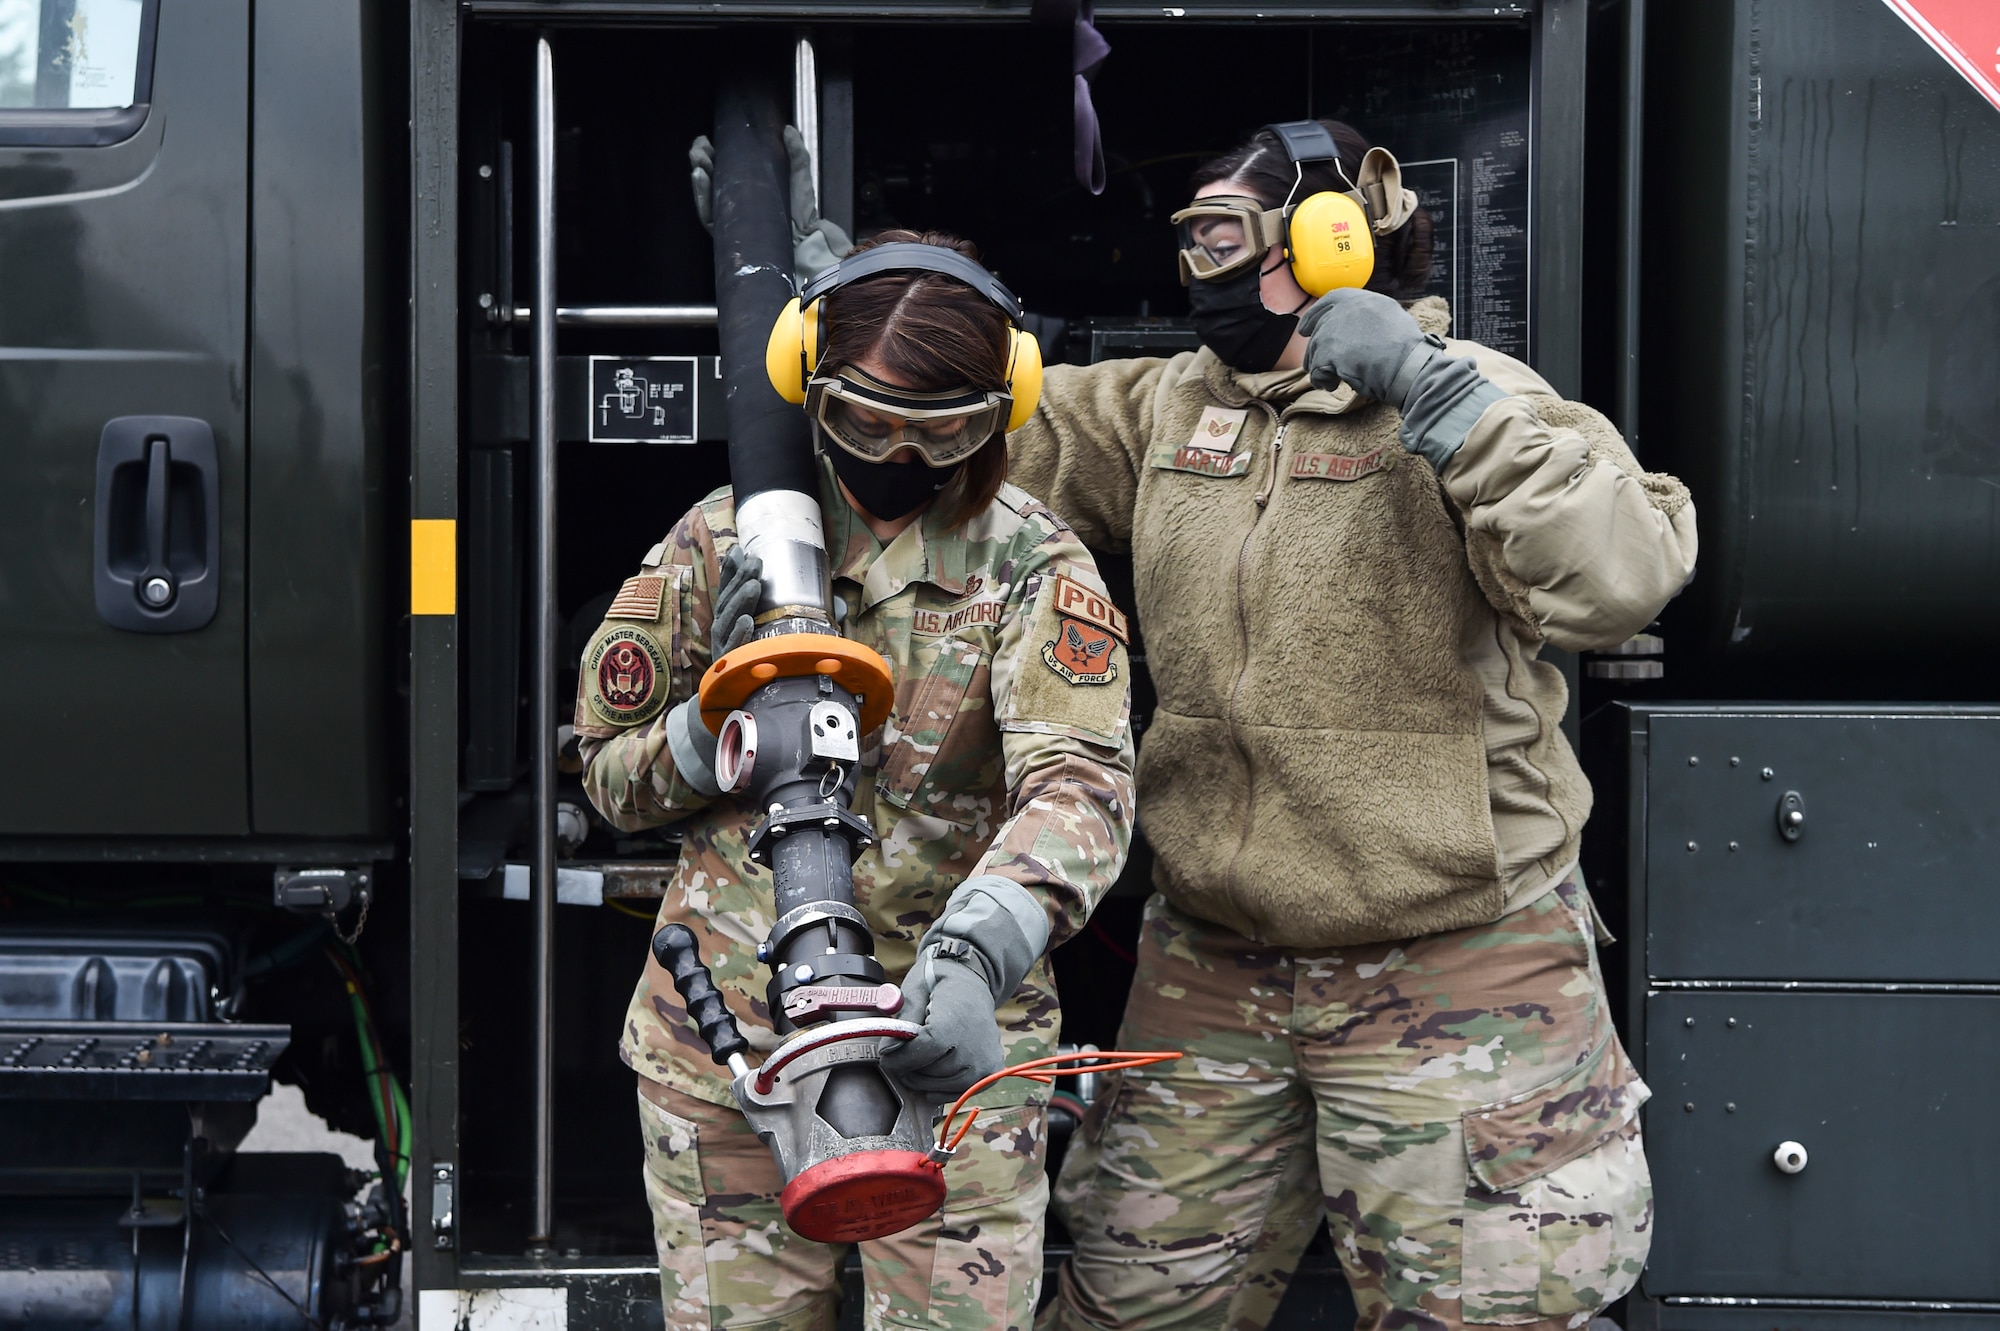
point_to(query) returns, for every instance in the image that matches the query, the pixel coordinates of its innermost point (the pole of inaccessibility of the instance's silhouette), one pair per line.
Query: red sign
(1965, 32)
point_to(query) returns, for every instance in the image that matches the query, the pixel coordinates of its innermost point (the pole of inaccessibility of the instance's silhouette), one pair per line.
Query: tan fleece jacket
(1354, 739)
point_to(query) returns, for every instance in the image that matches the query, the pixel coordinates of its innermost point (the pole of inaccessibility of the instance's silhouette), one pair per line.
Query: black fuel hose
(770, 446)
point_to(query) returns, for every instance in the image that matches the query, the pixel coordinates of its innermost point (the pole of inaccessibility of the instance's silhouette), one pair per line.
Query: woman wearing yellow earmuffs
(999, 791)
(1350, 537)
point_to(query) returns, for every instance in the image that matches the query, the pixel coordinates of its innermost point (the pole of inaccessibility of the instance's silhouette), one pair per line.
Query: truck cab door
(124, 133)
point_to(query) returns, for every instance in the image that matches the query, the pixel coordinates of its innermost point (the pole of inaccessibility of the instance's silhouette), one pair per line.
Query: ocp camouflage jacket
(1008, 751)
(1354, 740)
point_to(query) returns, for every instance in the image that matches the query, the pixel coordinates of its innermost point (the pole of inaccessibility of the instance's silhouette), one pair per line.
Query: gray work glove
(735, 602)
(689, 739)
(817, 244)
(968, 964)
(1368, 341)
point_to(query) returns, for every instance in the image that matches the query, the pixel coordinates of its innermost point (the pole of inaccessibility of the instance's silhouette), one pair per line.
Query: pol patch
(1088, 626)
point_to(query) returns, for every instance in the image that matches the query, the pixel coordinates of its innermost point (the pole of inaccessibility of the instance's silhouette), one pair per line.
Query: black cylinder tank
(1821, 346)
(254, 1262)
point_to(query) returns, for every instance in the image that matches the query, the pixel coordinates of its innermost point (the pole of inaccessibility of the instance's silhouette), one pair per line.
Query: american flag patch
(639, 598)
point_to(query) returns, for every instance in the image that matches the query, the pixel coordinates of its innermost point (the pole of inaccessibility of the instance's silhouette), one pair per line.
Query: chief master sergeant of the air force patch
(625, 676)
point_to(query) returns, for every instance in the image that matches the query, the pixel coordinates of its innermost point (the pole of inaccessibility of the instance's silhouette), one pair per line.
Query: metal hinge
(443, 1193)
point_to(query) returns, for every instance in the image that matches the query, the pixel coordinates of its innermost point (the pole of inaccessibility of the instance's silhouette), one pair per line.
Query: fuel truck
(350, 350)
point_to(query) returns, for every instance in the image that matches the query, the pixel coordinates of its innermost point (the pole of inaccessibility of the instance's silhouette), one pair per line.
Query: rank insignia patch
(1081, 652)
(625, 670)
(1218, 429)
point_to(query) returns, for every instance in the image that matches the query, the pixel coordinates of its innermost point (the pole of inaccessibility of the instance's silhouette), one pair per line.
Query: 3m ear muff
(1024, 376)
(798, 337)
(1329, 235)
(1330, 244)
(793, 350)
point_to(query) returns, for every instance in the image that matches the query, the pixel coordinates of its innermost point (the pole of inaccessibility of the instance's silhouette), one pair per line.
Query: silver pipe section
(805, 105)
(783, 528)
(625, 316)
(543, 720)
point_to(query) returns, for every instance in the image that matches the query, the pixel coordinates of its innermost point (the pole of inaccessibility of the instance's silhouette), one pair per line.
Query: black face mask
(1233, 323)
(889, 490)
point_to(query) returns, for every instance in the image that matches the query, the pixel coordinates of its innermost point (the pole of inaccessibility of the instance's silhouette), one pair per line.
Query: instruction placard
(643, 400)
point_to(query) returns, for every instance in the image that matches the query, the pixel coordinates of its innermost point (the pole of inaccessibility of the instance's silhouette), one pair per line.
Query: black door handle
(158, 525)
(156, 580)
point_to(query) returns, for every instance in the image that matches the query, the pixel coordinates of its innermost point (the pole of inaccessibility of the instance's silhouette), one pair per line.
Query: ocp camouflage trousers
(1459, 1105)
(727, 1260)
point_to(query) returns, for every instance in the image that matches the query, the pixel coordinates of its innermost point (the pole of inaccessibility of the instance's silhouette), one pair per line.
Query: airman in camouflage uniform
(1476, 1143)
(1352, 537)
(1008, 752)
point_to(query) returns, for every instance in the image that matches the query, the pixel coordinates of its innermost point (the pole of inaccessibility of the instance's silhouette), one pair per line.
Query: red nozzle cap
(865, 1195)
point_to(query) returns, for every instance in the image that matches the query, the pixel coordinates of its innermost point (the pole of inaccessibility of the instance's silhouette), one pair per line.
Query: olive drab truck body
(350, 359)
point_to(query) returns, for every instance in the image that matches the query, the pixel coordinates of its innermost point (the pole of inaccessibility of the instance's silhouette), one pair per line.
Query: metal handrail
(625, 316)
(542, 723)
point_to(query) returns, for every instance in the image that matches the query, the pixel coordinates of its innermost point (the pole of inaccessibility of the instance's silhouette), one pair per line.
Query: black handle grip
(158, 458)
(675, 948)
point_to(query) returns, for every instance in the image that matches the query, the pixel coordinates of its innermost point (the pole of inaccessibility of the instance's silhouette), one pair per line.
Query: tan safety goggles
(873, 421)
(1223, 234)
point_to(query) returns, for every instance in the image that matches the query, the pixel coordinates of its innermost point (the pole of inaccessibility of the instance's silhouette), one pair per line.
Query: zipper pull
(1277, 453)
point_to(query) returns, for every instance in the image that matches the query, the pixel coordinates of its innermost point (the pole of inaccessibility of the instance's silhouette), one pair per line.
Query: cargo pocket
(1084, 1154)
(987, 1270)
(1559, 1208)
(946, 739)
(674, 1194)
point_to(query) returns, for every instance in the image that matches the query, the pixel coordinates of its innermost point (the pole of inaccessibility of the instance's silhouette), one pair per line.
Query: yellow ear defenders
(1329, 236)
(798, 337)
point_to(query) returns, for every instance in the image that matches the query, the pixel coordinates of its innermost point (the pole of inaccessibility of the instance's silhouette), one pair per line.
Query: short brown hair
(1261, 165)
(935, 334)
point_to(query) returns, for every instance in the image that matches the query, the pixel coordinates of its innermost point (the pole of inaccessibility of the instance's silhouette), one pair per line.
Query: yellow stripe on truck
(433, 566)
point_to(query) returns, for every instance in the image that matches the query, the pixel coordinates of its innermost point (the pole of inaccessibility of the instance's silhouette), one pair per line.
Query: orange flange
(740, 673)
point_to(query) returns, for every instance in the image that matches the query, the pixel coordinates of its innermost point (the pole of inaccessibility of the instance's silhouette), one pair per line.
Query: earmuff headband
(908, 256)
(1306, 141)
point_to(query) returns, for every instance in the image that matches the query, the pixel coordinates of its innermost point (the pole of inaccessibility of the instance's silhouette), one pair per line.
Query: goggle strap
(1273, 228)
